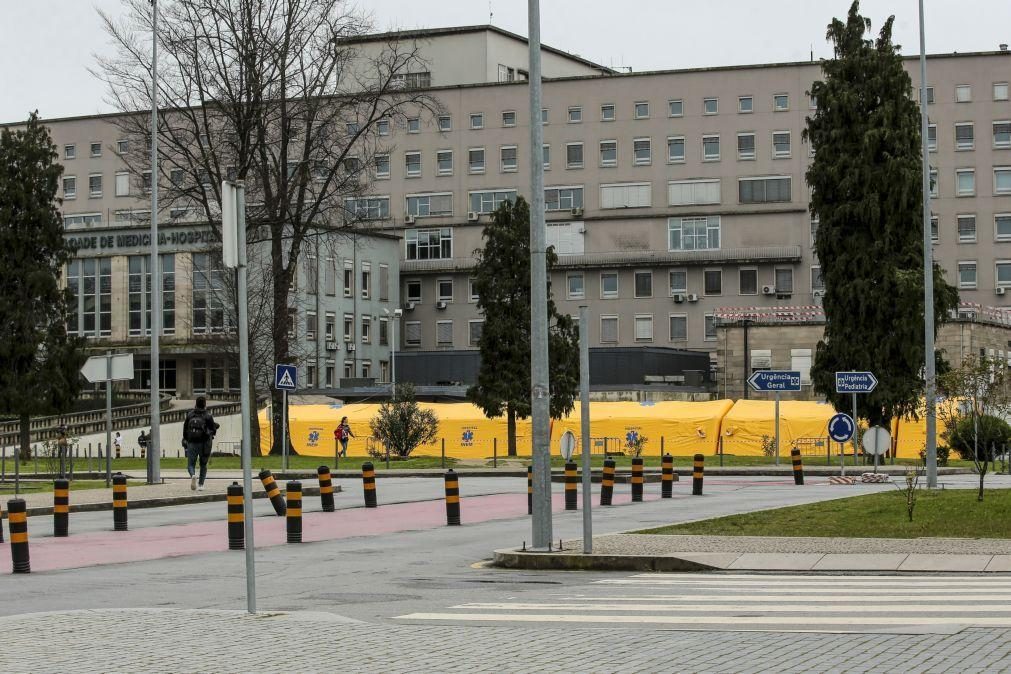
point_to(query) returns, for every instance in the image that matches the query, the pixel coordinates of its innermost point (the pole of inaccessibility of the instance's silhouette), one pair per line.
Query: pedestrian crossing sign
(285, 377)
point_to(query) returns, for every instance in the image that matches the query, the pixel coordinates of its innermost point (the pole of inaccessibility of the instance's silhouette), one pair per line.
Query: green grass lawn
(950, 513)
(734, 461)
(41, 487)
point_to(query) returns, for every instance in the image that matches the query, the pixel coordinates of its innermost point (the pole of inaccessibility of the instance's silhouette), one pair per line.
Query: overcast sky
(46, 46)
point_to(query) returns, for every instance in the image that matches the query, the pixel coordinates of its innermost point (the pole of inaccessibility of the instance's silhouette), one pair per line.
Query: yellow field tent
(749, 420)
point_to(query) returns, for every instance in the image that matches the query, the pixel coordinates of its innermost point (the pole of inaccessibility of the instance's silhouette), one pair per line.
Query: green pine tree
(39, 363)
(866, 193)
(502, 282)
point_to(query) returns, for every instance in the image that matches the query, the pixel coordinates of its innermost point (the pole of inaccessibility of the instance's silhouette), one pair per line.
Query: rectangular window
(384, 283)
(964, 136)
(696, 233)
(472, 294)
(546, 156)
(607, 112)
(745, 104)
(382, 166)
(70, 187)
(747, 281)
(509, 118)
(608, 329)
(608, 285)
(122, 184)
(1000, 91)
(935, 188)
(475, 328)
(575, 115)
(1003, 268)
(764, 190)
(780, 102)
(330, 374)
(608, 153)
(710, 106)
(675, 108)
(208, 298)
(710, 148)
(368, 208)
(967, 229)
(784, 281)
(563, 198)
(429, 244)
(445, 123)
(574, 286)
(444, 162)
(642, 110)
(644, 327)
(383, 127)
(1002, 180)
(709, 333)
(69, 152)
(311, 267)
(1002, 134)
(430, 205)
(626, 195)
(139, 290)
(508, 156)
(676, 149)
(643, 284)
(366, 280)
(96, 149)
(84, 220)
(412, 291)
(678, 281)
(330, 327)
(349, 278)
(366, 322)
(801, 361)
(413, 125)
(817, 280)
(1002, 226)
(349, 327)
(932, 137)
(475, 160)
(444, 333)
(934, 229)
(967, 275)
(488, 202)
(678, 327)
(90, 283)
(477, 120)
(412, 333)
(745, 146)
(384, 332)
(781, 144)
(573, 155)
(444, 289)
(930, 95)
(642, 152)
(712, 282)
(329, 276)
(412, 162)
(311, 325)
(95, 185)
(693, 192)
(544, 115)
(963, 93)
(965, 181)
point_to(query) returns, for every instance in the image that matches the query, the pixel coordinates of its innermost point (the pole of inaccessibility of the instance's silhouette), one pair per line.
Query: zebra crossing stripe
(731, 605)
(724, 621)
(842, 597)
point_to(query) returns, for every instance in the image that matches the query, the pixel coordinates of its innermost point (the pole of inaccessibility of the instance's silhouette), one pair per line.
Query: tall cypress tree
(502, 282)
(39, 363)
(866, 193)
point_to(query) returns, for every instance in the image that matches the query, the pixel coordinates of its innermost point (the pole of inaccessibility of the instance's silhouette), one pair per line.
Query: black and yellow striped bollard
(119, 502)
(293, 490)
(325, 488)
(369, 484)
(637, 479)
(61, 508)
(236, 521)
(607, 483)
(530, 490)
(17, 518)
(452, 499)
(798, 466)
(571, 481)
(667, 476)
(273, 492)
(698, 472)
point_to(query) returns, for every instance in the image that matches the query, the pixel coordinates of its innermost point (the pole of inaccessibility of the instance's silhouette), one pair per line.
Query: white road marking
(738, 608)
(711, 620)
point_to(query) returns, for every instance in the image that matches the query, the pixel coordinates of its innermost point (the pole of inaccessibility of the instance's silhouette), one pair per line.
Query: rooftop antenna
(812, 52)
(491, 14)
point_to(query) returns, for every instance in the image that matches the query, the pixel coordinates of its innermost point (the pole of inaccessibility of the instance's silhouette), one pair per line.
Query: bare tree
(281, 94)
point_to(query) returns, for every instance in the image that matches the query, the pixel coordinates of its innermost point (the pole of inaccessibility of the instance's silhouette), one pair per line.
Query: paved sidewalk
(181, 641)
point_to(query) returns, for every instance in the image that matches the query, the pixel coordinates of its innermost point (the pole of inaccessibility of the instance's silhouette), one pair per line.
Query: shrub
(993, 433)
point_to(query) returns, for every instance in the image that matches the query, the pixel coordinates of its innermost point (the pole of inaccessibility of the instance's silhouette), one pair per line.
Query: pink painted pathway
(96, 548)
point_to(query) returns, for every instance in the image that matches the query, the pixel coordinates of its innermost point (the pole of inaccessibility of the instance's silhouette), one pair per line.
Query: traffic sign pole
(108, 418)
(856, 430)
(777, 428)
(284, 429)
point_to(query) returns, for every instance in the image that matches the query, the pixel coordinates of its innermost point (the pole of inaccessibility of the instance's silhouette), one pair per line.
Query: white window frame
(740, 290)
(607, 163)
(438, 163)
(793, 281)
(569, 295)
(122, 180)
(484, 161)
(699, 187)
(707, 319)
(448, 119)
(934, 176)
(775, 102)
(617, 328)
(963, 93)
(407, 331)
(932, 145)
(472, 295)
(997, 236)
(603, 116)
(959, 192)
(757, 178)
(575, 165)
(635, 110)
(505, 124)
(670, 107)
(718, 145)
(712, 222)
(476, 120)
(670, 141)
(971, 145)
(407, 294)
(637, 320)
(495, 199)
(716, 105)
(429, 195)
(407, 170)
(413, 125)
(671, 290)
(635, 287)
(606, 186)
(70, 151)
(439, 296)
(812, 277)
(777, 154)
(996, 276)
(649, 150)
(576, 110)
(96, 194)
(708, 270)
(94, 153)
(670, 333)
(997, 95)
(1001, 169)
(754, 145)
(501, 159)
(72, 194)
(958, 227)
(546, 156)
(993, 135)
(963, 285)
(751, 105)
(605, 295)
(566, 193)
(470, 331)
(380, 174)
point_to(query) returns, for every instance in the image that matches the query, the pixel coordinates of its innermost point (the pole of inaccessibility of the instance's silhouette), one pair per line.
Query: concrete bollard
(698, 472)
(119, 504)
(607, 483)
(667, 476)
(325, 489)
(236, 522)
(369, 484)
(293, 490)
(798, 466)
(637, 479)
(61, 508)
(273, 492)
(571, 481)
(530, 490)
(17, 518)
(452, 499)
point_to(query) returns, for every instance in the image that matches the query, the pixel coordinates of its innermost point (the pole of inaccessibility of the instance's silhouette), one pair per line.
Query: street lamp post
(395, 315)
(154, 439)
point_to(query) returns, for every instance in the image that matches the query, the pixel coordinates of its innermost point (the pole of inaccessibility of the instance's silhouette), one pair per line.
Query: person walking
(142, 442)
(343, 433)
(117, 442)
(198, 436)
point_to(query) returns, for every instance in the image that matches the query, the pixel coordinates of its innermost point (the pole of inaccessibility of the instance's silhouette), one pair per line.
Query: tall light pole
(540, 391)
(928, 276)
(395, 315)
(154, 439)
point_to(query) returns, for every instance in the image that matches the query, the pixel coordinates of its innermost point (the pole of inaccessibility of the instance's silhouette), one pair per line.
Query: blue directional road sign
(775, 380)
(855, 382)
(285, 377)
(841, 427)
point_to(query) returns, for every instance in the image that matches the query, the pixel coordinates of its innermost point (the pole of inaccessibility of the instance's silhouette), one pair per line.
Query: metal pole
(244, 398)
(393, 358)
(584, 427)
(540, 389)
(108, 418)
(777, 428)
(154, 440)
(284, 429)
(928, 276)
(856, 431)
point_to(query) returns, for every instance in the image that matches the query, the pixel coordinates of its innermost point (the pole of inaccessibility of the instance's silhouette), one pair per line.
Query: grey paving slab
(860, 562)
(758, 561)
(1000, 563)
(962, 563)
(721, 560)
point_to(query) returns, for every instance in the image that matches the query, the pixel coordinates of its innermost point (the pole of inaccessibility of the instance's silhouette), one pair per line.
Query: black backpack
(196, 428)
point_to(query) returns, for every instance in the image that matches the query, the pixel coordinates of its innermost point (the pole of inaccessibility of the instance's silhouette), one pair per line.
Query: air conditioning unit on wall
(678, 298)
(692, 297)
(768, 290)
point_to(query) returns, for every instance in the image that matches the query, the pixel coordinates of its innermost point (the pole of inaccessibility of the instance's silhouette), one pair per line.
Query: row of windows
(96, 187)
(963, 93)
(965, 226)
(365, 323)
(310, 376)
(965, 182)
(965, 135)
(94, 149)
(332, 269)
(968, 278)
(678, 283)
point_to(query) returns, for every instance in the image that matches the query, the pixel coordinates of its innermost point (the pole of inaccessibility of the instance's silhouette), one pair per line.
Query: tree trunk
(25, 436)
(279, 331)
(982, 475)
(511, 429)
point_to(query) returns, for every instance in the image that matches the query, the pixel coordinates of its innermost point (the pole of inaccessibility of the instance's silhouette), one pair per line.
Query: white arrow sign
(108, 368)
